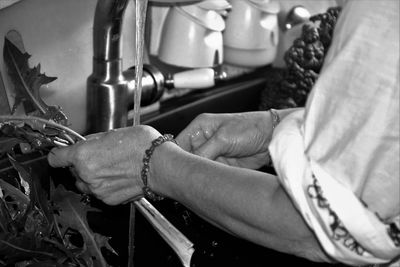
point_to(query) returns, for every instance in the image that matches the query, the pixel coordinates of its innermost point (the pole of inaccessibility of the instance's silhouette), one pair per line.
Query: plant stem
(27, 250)
(7, 118)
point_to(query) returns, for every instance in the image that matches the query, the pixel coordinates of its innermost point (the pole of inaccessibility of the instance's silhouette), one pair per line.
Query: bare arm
(244, 202)
(247, 203)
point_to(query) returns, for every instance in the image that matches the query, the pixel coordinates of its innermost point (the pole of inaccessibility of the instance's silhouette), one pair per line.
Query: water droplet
(195, 135)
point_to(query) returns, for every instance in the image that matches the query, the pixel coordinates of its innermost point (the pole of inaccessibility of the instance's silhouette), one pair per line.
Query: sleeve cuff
(345, 228)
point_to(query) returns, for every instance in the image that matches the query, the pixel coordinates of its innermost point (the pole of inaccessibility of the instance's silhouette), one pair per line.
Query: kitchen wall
(58, 35)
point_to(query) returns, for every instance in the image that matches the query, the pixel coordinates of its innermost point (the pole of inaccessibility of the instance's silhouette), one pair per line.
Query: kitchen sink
(213, 247)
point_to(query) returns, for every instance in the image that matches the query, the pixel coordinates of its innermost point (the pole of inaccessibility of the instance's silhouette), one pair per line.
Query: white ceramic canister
(192, 37)
(251, 35)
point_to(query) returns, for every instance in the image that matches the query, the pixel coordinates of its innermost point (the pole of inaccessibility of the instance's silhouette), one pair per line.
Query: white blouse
(339, 157)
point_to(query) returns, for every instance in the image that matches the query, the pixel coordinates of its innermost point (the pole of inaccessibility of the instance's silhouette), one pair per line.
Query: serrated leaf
(18, 69)
(36, 80)
(24, 217)
(73, 214)
(27, 82)
(102, 241)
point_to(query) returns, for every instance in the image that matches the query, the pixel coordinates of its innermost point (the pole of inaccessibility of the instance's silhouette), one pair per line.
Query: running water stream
(140, 19)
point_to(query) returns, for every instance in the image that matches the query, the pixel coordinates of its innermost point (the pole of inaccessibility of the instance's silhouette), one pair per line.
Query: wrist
(163, 166)
(148, 164)
(275, 116)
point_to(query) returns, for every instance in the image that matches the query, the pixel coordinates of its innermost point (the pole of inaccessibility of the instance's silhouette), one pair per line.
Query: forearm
(247, 203)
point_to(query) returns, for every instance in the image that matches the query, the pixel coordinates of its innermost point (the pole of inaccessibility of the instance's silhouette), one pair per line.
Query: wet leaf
(14, 133)
(16, 248)
(17, 202)
(7, 144)
(5, 217)
(73, 214)
(38, 197)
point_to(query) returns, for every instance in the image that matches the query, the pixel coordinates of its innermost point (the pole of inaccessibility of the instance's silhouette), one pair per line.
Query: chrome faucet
(110, 90)
(107, 90)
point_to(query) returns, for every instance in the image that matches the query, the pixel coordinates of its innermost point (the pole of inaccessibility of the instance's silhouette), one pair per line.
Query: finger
(192, 132)
(83, 187)
(124, 196)
(94, 136)
(211, 149)
(194, 138)
(184, 138)
(60, 157)
(188, 140)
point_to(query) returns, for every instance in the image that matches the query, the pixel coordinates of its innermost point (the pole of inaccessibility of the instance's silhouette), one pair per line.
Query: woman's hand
(108, 164)
(240, 139)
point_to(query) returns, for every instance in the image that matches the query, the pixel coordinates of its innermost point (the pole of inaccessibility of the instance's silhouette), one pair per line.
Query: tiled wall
(58, 35)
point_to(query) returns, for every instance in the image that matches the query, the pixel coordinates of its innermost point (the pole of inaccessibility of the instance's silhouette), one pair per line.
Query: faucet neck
(107, 29)
(108, 71)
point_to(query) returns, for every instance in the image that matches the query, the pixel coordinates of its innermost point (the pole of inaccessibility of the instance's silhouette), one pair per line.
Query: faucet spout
(107, 91)
(107, 29)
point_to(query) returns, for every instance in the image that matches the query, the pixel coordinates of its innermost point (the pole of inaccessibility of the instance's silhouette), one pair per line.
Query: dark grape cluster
(327, 23)
(304, 60)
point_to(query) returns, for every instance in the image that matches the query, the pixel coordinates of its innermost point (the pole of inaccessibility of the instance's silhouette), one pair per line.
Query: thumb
(60, 157)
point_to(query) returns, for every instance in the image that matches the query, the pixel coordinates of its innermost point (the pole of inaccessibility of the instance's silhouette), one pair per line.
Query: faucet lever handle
(200, 78)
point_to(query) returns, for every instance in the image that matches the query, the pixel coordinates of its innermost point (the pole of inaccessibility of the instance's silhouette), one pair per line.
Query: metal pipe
(107, 101)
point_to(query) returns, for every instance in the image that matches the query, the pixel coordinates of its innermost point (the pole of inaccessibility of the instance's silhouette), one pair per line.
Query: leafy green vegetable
(35, 230)
(27, 82)
(73, 215)
(40, 224)
(38, 196)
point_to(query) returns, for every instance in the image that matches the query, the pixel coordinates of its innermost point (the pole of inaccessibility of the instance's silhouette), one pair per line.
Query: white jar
(192, 37)
(251, 35)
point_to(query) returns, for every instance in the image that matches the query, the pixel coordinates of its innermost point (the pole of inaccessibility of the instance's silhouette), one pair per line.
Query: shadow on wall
(58, 35)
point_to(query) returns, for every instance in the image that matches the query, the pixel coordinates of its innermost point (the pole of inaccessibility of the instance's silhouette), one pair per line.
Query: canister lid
(216, 5)
(207, 18)
(269, 6)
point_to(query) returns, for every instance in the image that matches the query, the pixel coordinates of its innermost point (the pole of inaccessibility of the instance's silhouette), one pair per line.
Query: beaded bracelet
(148, 193)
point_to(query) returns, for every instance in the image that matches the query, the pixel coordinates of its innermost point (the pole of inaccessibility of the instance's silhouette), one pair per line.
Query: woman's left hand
(108, 164)
(239, 139)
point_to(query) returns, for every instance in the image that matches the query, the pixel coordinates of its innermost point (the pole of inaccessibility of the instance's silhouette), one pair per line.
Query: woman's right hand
(239, 139)
(108, 165)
